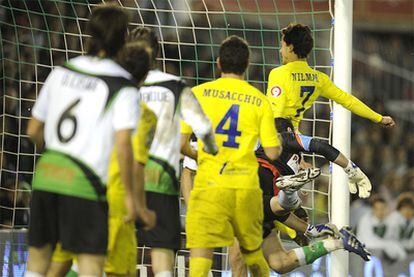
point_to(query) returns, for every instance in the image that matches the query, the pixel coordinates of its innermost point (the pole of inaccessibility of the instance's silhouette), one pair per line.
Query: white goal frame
(341, 138)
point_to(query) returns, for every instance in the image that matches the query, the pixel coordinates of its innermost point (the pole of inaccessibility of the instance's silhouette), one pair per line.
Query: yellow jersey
(240, 115)
(141, 142)
(292, 88)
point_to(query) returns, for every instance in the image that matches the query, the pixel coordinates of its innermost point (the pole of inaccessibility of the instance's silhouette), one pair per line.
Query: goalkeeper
(283, 178)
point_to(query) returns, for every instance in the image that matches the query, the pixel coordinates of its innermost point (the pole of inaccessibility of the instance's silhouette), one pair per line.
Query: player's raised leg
(291, 183)
(283, 261)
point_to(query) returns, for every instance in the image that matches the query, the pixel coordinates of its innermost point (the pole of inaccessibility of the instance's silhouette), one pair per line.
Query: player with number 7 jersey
(294, 86)
(225, 201)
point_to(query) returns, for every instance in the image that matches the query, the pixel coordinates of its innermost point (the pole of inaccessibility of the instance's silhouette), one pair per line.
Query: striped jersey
(82, 105)
(161, 92)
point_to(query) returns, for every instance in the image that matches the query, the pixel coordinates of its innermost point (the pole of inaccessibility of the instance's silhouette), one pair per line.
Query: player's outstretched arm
(353, 104)
(387, 121)
(358, 181)
(141, 143)
(269, 138)
(187, 180)
(193, 115)
(125, 160)
(147, 216)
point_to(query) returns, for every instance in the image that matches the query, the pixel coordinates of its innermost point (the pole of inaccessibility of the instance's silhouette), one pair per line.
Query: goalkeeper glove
(320, 230)
(358, 181)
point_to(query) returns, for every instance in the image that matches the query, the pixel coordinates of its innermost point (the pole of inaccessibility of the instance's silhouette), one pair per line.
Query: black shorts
(266, 180)
(80, 225)
(166, 233)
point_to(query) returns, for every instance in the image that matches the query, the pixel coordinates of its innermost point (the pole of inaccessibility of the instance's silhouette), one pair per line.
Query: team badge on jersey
(275, 91)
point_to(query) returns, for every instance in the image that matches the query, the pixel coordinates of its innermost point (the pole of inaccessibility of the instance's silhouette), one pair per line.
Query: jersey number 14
(233, 115)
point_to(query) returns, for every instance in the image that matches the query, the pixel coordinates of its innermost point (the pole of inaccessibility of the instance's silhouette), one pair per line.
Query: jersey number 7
(233, 115)
(308, 91)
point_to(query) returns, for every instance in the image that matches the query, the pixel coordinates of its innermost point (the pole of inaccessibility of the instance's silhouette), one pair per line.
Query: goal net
(38, 35)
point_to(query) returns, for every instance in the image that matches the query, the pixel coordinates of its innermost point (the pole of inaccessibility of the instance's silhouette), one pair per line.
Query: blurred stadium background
(38, 35)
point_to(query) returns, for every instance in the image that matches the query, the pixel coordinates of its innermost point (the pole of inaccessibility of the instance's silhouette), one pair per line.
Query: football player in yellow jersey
(226, 201)
(122, 244)
(294, 86)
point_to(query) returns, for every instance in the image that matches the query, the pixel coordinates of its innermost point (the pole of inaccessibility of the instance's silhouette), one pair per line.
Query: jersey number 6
(67, 116)
(233, 115)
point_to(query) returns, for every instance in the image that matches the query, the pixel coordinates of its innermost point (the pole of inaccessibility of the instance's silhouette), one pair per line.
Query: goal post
(341, 138)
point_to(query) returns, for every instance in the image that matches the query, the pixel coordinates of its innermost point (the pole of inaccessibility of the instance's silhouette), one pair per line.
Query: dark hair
(282, 125)
(107, 27)
(405, 199)
(377, 198)
(300, 37)
(135, 58)
(148, 36)
(234, 55)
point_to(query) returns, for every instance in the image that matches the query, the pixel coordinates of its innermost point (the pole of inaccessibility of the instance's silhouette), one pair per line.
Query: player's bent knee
(276, 265)
(280, 262)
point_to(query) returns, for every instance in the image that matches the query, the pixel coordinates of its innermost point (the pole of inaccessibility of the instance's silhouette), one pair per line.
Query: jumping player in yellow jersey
(226, 201)
(294, 86)
(121, 255)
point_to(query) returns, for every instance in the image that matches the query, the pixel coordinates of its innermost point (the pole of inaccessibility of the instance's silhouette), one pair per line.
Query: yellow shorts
(60, 255)
(216, 215)
(122, 254)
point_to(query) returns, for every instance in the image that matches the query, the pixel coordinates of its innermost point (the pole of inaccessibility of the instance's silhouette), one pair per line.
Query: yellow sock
(257, 264)
(283, 228)
(199, 267)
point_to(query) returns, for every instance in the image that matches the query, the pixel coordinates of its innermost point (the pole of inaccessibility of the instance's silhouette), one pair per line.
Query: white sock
(289, 200)
(164, 274)
(301, 256)
(33, 274)
(332, 244)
